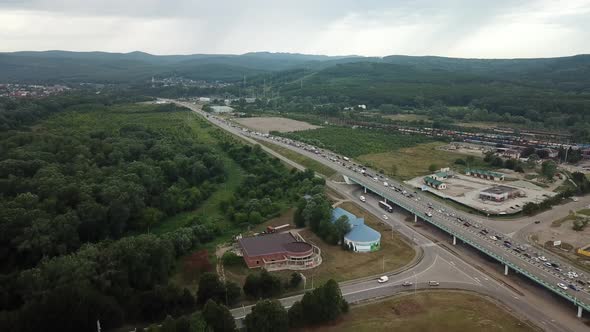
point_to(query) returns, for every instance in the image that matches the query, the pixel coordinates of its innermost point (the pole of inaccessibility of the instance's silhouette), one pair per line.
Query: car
(385, 217)
(562, 286)
(383, 279)
(466, 224)
(493, 237)
(537, 221)
(429, 214)
(385, 184)
(574, 287)
(542, 258)
(433, 283)
(547, 264)
(407, 283)
(363, 199)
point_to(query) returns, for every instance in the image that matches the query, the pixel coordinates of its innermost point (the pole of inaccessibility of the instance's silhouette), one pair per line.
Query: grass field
(433, 311)
(407, 117)
(344, 265)
(355, 142)
(301, 159)
(407, 163)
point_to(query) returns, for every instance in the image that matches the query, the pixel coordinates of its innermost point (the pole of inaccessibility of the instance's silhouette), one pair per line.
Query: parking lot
(465, 190)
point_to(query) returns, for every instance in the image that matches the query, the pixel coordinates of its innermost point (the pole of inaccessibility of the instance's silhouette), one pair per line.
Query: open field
(406, 117)
(431, 311)
(344, 265)
(268, 124)
(356, 142)
(301, 159)
(480, 125)
(410, 162)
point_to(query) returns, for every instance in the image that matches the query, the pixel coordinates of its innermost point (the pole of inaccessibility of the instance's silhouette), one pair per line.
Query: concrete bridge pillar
(454, 240)
(365, 189)
(580, 310)
(415, 218)
(505, 269)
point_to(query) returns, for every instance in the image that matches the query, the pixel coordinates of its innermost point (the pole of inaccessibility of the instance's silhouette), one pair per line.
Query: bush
(262, 285)
(295, 280)
(231, 259)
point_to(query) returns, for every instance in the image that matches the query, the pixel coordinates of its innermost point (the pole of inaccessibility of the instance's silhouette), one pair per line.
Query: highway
(436, 263)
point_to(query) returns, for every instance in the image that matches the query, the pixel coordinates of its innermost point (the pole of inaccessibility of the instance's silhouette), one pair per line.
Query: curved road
(436, 264)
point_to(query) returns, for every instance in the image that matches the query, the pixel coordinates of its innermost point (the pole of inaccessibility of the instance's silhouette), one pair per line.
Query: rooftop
(499, 190)
(363, 233)
(484, 172)
(442, 174)
(272, 244)
(352, 219)
(433, 181)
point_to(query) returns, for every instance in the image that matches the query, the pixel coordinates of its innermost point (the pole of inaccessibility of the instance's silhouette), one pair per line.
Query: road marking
(458, 269)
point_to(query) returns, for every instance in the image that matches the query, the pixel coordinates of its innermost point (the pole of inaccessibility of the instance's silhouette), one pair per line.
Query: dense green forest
(82, 185)
(547, 93)
(134, 67)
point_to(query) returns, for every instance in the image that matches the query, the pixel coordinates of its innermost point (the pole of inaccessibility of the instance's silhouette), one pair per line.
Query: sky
(456, 28)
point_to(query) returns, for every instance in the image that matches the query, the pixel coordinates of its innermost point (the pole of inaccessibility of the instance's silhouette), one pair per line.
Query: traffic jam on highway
(571, 281)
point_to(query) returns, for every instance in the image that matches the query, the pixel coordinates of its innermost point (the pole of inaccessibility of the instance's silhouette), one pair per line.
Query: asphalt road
(436, 264)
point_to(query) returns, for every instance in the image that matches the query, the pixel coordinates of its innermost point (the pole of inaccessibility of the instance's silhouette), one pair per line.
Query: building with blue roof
(361, 237)
(352, 219)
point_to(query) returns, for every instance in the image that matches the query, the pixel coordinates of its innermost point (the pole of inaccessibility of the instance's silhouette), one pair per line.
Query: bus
(385, 206)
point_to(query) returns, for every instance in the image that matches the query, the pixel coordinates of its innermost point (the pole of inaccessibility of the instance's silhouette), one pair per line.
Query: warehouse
(434, 183)
(361, 237)
(279, 251)
(499, 193)
(484, 174)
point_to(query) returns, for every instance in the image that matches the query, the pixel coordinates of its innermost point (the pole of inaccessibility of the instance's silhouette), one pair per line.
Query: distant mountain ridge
(104, 67)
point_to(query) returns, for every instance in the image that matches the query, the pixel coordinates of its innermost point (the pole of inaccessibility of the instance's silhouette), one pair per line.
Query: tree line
(85, 178)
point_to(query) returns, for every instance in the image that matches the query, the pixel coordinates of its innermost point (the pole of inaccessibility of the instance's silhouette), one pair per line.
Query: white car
(407, 283)
(385, 184)
(542, 258)
(385, 217)
(562, 286)
(363, 199)
(384, 279)
(429, 214)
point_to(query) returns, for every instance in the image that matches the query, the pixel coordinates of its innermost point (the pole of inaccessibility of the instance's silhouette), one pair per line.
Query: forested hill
(565, 73)
(102, 67)
(568, 73)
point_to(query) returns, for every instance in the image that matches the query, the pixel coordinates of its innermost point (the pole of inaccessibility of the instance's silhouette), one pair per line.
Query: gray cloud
(501, 28)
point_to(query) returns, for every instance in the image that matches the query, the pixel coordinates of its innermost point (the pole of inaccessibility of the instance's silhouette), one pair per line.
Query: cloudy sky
(459, 28)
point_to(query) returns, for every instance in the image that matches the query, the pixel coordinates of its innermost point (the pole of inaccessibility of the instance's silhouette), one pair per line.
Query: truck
(274, 229)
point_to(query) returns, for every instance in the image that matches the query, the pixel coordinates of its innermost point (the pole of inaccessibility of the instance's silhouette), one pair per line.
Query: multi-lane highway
(435, 260)
(549, 270)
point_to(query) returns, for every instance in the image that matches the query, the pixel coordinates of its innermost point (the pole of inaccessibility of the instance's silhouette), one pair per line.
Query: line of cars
(574, 283)
(384, 279)
(569, 277)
